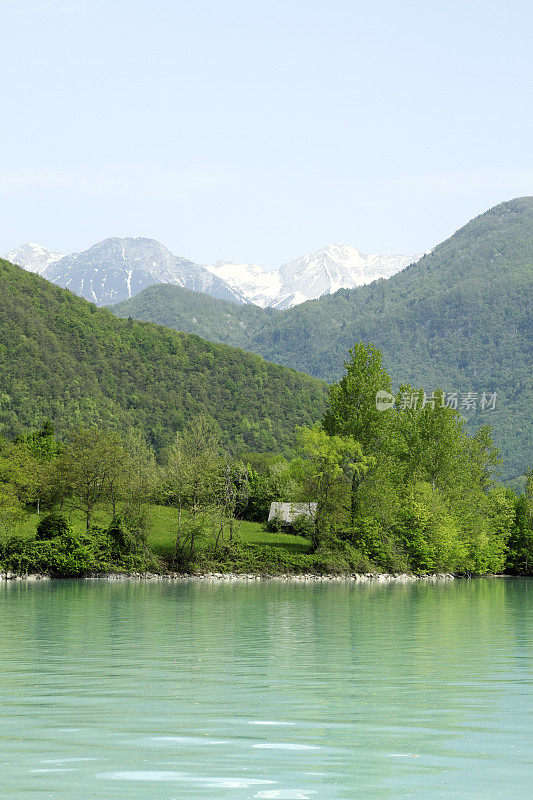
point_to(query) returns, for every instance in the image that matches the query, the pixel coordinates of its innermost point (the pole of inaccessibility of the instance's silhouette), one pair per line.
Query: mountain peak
(33, 257)
(120, 267)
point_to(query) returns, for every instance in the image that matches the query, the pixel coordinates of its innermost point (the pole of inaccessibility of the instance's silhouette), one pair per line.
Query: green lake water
(170, 691)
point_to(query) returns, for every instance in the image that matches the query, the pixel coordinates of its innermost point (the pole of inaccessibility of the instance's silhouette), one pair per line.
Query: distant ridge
(118, 269)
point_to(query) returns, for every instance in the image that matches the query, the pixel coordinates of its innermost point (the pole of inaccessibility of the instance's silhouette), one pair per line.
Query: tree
(235, 494)
(352, 410)
(11, 509)
(139, 478)
(84, 469)
(195, 473)
(326, 472)
(520, 544)
(23, 471)
(351, 401)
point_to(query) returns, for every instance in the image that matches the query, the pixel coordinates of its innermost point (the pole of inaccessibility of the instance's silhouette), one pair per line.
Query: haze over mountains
(117, 269)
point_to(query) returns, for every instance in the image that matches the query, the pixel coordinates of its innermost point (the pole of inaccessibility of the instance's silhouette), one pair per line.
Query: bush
(376, 546)
(337, 556)
(135, 523)
(303, 525)
(122, 539)
(338, 559)
(73, 555)
(52, 525)
(251, 558)
(275, 525)
(61, 556)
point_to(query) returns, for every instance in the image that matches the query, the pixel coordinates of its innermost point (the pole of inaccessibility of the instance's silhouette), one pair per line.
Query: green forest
(404, 489)
(458, 320)
(63, 359)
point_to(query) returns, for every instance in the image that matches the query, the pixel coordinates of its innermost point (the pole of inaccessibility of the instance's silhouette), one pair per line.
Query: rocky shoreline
(370, 577)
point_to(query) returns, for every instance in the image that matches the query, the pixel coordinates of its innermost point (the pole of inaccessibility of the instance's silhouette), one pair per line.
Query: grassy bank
(253, 550)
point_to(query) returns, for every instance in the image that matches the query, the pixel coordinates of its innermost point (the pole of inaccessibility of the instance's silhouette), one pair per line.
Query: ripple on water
(63, 760)
(182, 777)
(285, 794)
(268, 722)
(53, 769)
(189, 740)
(285, 746)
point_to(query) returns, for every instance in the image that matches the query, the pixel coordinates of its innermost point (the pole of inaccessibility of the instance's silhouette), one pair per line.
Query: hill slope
(61, 357)
(459, 318)
(194, 312)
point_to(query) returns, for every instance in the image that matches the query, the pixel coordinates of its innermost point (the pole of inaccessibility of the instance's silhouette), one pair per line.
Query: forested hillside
(459, 319)
(64, 359)
(195, 312)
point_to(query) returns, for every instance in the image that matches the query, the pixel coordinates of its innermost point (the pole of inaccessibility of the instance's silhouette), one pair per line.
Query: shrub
(275, 525)
(52, 525)
(120, 536)
(73, 555)
(377, 546)
(303, 525)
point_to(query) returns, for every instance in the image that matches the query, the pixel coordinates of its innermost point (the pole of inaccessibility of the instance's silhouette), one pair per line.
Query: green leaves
(81, 367)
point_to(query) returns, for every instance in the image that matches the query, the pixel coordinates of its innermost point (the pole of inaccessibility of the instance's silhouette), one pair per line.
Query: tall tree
(326, 472)
(352, 410)
(139, 476)
(84, 468)
(195, 471)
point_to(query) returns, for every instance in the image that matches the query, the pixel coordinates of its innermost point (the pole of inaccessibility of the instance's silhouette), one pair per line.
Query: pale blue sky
(259, 131)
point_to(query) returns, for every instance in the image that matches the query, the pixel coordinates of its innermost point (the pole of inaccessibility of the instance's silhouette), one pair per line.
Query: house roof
(287, 512)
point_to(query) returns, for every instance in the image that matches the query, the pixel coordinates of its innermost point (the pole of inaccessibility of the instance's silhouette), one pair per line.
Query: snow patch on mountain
(256, 284)
(117, 269)
(33, 257)
(337, 266)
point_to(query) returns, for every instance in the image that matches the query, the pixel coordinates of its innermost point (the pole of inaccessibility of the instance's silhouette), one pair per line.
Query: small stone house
(288, 512)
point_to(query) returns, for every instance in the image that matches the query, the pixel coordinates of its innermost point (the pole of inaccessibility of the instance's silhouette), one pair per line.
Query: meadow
(162, 531)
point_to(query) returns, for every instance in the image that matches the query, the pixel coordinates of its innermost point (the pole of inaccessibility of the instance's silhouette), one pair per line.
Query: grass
(162, 532)
(254, 533)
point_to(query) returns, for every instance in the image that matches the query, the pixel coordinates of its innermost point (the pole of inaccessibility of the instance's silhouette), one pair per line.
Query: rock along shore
(370, 577)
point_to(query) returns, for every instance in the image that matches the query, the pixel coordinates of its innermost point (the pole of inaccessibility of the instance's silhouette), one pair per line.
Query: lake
(127, 690)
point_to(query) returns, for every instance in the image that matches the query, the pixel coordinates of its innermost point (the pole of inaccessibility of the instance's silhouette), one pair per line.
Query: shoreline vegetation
(402, 493)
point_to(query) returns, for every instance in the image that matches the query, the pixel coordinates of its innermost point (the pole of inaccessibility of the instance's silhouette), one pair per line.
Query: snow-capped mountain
(337, 266)
(33, 257)
(256, 284)
(116, 269)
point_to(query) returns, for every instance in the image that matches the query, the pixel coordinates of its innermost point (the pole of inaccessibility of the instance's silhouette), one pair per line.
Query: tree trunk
(219, 535)
(178, 538)
(353, 498)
